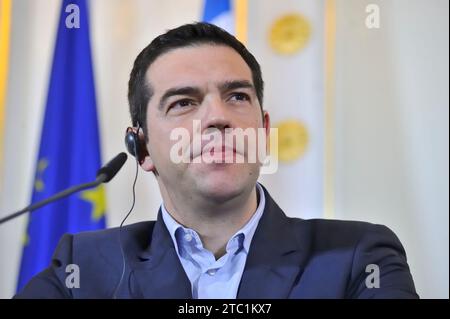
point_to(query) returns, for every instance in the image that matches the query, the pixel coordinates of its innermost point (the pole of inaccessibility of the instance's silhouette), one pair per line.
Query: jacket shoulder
(102, 248)
(334, 232)
(133, 236)
(98, 260)
(358, 251)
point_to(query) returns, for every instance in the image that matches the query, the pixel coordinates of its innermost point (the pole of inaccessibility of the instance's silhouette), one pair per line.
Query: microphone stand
(104, 175)
(100, 179)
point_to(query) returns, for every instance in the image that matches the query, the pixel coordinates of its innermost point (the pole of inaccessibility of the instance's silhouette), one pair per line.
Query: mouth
(219, 150)
(215, 154)
(219, 154)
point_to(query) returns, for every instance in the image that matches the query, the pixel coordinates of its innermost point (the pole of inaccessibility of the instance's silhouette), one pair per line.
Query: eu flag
(69, 149)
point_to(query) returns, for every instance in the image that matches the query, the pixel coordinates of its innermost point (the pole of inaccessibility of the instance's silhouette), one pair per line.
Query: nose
(215, 115)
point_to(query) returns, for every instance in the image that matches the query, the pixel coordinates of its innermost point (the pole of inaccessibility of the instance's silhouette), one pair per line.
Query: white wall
(392, 128)
(391, 108)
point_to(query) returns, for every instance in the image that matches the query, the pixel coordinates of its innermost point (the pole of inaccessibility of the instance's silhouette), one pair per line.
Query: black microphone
(111, 168)
(104, 175)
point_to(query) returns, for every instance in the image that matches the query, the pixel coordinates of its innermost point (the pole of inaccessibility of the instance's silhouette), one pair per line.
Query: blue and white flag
(219, 13)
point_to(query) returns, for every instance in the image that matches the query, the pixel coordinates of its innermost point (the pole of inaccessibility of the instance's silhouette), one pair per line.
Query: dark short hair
(139, 91)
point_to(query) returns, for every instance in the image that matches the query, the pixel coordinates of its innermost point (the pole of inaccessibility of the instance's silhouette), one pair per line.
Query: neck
(215, 223)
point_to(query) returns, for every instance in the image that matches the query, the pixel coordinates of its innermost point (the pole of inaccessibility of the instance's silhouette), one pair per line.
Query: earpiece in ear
(132, 142)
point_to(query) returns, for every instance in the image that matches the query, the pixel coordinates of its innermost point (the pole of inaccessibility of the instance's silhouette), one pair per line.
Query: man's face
(211, 84)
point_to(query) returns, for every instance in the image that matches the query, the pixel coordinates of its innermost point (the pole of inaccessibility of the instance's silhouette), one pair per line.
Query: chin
(224, 184)
(219, 189)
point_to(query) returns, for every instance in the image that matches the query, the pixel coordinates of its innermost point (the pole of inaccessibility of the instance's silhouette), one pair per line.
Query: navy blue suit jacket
(288, 258)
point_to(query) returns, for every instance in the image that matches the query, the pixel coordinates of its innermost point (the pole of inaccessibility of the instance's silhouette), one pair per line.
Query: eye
(182, 104)
(240, 97)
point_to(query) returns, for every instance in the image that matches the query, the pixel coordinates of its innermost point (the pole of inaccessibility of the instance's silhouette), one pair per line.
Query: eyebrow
(186, 90)
(195, 91)
(233, 85)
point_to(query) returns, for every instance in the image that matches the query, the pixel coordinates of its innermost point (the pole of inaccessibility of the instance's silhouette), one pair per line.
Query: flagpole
(330, 40)
(5, 25)
(241, 17)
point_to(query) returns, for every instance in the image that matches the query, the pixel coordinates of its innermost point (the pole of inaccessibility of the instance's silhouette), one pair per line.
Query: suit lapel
(275, 259)
(158, 273)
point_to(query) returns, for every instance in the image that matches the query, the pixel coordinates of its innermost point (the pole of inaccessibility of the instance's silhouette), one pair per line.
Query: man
(219, 234)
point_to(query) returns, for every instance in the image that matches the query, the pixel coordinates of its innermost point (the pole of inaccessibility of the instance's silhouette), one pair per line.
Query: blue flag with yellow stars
(69, 151)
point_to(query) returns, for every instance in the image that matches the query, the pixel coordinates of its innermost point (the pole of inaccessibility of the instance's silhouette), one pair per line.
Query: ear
(142, 155)
(145, 160)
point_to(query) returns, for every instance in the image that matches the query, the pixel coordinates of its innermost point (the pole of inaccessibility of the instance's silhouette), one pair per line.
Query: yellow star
(96, 197)
(41, 167)
(25, 239)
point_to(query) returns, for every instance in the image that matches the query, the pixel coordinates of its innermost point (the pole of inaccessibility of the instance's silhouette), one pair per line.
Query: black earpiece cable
(116, 290)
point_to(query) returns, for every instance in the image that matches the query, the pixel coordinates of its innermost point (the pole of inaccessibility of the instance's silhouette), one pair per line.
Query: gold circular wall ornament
(289, 34)
(293, 140)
